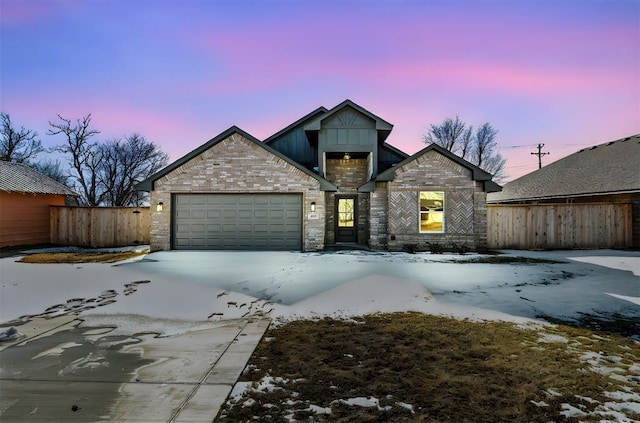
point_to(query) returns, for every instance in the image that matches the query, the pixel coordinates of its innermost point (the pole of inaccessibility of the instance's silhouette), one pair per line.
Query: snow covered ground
(209, 286)
(174, 293)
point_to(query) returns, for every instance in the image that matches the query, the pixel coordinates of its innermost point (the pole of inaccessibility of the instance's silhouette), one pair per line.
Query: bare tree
(466, 142)
(125, 163)
(478, 147)
(52, 169)
(484, 151)
(106, 173)
(17, 145)
(447, 134)
(85, 158)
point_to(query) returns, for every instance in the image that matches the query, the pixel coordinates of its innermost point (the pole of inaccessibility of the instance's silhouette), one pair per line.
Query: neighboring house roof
(609, 168)
(147, 184)
(477, 174)
(17, 177)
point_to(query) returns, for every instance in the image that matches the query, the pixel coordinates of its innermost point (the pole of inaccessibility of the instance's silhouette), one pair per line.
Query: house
(603, 181)
(328, 178)
(25, 198)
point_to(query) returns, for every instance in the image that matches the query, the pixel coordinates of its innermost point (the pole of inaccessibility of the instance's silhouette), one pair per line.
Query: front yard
(414, 367)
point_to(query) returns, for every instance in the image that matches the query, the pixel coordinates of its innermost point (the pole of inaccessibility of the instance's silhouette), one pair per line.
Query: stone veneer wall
(238, 165)
(465, 206)
(379, 217)
(348, 175)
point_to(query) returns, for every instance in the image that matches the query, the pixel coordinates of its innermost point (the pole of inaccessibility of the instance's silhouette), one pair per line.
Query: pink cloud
(264, 57)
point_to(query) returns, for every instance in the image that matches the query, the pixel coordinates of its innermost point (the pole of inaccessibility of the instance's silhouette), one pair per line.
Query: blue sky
(564, 73)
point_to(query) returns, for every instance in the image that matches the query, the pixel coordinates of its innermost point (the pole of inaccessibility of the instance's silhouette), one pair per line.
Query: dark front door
(346, 219)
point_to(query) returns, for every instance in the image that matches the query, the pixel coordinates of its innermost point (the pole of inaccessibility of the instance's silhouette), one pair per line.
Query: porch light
(159, 206)
(313, 207)
(347, 156)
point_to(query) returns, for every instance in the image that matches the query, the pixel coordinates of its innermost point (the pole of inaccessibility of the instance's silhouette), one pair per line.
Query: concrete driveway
(99, 344)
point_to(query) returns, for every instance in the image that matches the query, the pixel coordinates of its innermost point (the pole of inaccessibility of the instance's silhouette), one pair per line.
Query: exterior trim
(477, 173)
(381, 124)
(319, 111)
(561, 197)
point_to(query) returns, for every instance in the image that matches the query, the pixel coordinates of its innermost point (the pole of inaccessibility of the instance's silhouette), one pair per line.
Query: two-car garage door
(237, 222)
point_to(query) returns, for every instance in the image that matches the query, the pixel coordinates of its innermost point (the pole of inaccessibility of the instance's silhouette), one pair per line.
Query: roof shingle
(16, 177)
(608, 168)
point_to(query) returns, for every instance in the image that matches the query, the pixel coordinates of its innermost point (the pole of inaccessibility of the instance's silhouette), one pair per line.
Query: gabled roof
(383, 127)
(147, 184)
(317, 112)
(17, 177)
(477, 174)
(609, 168)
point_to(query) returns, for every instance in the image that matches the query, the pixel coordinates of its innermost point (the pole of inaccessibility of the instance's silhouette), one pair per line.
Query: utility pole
(540, 154)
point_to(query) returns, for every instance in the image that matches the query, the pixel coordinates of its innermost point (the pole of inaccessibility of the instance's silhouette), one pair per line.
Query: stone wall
(238, 165)
(379, 217)
(348, 175)
(464, 209)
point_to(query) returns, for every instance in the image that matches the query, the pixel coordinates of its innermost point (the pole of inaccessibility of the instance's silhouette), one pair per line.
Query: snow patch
(549, 338)
(57, 350)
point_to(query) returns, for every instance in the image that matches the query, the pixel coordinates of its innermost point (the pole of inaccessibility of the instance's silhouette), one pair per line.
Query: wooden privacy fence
(100, 226)
(578, 225)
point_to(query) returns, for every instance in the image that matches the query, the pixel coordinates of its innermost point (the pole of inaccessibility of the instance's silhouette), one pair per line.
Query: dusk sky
(564, 73)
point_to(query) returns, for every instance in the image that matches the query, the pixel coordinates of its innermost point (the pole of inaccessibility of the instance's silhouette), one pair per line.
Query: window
(431, 211)
(345, 212)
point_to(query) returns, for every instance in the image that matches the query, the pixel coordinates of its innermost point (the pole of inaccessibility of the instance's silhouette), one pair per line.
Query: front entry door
(346, 219)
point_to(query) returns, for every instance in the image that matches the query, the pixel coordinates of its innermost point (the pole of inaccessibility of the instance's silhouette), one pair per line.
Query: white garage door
(237, 222)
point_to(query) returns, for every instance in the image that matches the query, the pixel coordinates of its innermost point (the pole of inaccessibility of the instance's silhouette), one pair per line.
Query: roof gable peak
(380, 124)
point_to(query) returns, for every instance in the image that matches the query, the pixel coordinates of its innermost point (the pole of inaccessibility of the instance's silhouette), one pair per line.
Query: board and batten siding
(550, 226)
(97, 227)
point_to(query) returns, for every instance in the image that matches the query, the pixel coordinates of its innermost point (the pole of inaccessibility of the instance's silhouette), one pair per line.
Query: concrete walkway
(61, 371)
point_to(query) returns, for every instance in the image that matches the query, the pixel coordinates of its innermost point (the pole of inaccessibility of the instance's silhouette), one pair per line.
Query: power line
(516, 146)
(508, 147)
(520, 167)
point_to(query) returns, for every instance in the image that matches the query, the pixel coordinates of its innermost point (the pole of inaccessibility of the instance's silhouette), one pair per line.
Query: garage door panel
(238, 221)
(260, 214)
(198, 201)
(244, 200)
(245, 214)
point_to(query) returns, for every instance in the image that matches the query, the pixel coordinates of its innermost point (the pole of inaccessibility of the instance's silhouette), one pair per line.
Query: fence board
(100, 226)
(549, 226)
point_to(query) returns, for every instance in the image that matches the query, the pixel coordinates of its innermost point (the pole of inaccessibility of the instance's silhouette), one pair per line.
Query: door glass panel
(345, 212)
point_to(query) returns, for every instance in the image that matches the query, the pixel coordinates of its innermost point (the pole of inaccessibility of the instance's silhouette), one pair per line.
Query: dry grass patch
(83, 257)
(407, 367)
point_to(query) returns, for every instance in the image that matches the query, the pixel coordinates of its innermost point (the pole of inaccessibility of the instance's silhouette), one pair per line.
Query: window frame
(421, 212)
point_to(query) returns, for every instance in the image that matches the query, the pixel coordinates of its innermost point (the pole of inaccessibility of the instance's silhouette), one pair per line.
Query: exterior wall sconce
(313, 207)
(159, 206)
(347, 156)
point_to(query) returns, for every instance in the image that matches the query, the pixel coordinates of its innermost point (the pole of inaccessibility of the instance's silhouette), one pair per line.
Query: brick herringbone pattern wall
(465, 204)
(459, 212)
(405, 207)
